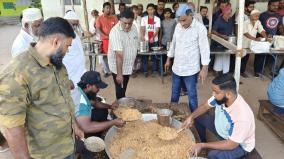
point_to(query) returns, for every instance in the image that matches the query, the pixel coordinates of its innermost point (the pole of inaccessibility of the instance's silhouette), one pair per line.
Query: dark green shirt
(36, 95)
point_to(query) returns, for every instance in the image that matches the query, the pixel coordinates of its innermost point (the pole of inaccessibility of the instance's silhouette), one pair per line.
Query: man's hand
(151, 40)
(195, 150)
(167, 65)
(203, 74)
(187, 123)
(72, 86)
(79, 133)
(118, 122)
(119, 79)
(114, 106)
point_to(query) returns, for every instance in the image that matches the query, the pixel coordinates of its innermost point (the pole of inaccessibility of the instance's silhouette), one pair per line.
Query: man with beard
(74, 61)
(91, 114)
(36, 109)
(31, 21)
(233, 122)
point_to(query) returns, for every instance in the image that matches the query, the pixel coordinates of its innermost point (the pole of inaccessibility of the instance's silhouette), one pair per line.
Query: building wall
(13, 8)
(53, 7)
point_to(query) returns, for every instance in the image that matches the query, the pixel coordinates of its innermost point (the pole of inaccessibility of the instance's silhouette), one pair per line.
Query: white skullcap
(31, 14)
(71, 15)
(255, 11)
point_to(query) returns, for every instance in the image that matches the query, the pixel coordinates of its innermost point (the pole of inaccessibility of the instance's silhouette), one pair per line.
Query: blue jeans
(278, 110)
(206, 121)
(145, 59)
(190, 84)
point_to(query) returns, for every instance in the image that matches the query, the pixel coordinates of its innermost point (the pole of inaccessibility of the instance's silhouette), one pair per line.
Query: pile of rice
(143, 138)
(167, 133)
(128, 114)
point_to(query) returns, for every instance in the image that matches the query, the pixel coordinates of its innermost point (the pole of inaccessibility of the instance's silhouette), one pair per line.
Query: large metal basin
(146, 117)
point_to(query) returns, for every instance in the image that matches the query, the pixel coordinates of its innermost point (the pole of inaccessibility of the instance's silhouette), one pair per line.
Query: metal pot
(97, 47)
(165, 117)
(112, 132)
(232, 39)
(144, 47)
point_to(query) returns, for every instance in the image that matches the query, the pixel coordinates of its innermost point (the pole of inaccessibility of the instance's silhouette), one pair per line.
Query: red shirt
(105, 23)
(151, 28)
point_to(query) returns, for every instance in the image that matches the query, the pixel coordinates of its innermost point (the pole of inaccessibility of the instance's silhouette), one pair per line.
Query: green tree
(36, 4)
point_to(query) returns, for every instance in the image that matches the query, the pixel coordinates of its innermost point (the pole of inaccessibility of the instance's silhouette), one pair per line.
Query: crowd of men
(48, 97)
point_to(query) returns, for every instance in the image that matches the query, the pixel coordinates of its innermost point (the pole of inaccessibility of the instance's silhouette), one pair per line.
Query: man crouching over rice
(91, 114)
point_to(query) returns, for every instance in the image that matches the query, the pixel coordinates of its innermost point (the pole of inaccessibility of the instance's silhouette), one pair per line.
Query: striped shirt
(189, 45)
(127, 42)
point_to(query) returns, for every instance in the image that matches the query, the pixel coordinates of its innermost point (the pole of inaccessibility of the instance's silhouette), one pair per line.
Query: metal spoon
(94, 144)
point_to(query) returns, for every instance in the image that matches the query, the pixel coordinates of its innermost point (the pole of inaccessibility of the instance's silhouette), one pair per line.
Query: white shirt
(198, 16)
(188, 45)
(137, 23)
(93, 29)
(21, 43)
(127, 42)
(252, 30)
(150, 27)
(74, 61)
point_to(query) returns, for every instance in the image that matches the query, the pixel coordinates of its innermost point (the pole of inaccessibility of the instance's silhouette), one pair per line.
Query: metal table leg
(161, 68)
(275, 58)
(91, 62)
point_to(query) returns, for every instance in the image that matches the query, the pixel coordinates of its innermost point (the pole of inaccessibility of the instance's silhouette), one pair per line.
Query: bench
(271, 119)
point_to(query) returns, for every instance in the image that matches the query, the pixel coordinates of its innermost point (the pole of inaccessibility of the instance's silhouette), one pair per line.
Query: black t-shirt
(270, 22)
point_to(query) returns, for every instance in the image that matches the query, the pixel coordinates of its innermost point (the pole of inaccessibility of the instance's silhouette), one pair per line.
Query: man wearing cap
(74, 60)
(36, 109)
(122, 51)
(189, 47)
(32, 18)
(92, 116)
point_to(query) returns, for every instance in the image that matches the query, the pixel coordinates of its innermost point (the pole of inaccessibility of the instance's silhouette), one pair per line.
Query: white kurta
(21, 43)
(74, 61)
(222, 63)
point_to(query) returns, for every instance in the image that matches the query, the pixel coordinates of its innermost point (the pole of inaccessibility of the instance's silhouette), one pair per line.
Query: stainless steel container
(165, 117)
(144, 46)
(232, 39)
(88, 47)
(97, 47)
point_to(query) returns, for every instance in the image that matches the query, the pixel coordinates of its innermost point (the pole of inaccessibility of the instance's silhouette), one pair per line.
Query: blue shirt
(223, 27)
(84, 108)
(276, 90)
(270, 22)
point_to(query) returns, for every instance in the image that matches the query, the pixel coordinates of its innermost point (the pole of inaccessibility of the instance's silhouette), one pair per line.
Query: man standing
(273, 25)
(92, 24)
(221, 5)
(223, 27)
(121, 8)
(249, 7)
(150, 29)
(31, 21)
(203, 13)
(233, 122)
(160, 9)
(189, 47)
(74, 61)
(36, 109)
(104, 24)
(140, 9)
(123, 51)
